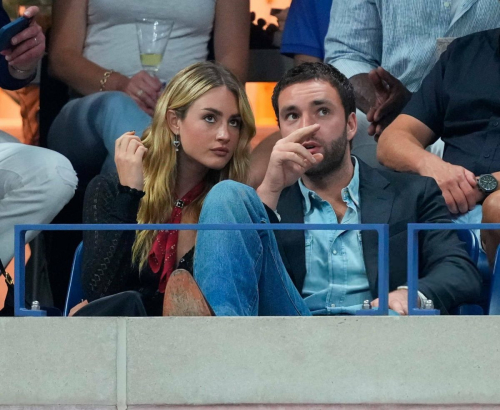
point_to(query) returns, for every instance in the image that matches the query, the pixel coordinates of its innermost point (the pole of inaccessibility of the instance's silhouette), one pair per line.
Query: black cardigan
(107, 255)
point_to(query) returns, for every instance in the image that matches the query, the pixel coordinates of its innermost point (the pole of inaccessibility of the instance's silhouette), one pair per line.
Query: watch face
(487, 183)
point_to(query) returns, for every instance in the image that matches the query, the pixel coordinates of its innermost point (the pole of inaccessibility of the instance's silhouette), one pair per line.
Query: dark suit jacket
(447, 275)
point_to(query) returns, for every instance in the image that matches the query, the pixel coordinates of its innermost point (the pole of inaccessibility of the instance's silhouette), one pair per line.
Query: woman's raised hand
(129, 153)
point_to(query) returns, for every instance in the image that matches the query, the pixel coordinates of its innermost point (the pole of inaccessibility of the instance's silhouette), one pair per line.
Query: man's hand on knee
(458, 185)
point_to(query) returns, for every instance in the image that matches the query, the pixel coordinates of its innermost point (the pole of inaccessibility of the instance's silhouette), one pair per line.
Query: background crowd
(422, 106)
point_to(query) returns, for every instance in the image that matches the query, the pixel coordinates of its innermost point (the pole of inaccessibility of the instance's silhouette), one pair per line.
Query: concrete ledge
(58, 361)
(177, 362)
(266, 407)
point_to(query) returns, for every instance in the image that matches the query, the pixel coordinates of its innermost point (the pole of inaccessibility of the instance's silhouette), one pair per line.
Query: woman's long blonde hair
(160, 163)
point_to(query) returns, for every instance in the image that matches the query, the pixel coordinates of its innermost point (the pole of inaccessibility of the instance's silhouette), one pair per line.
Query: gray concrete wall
(105, 362)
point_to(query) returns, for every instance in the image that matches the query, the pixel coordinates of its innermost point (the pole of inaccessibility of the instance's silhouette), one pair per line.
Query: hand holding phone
(23, 44)
(10, 30)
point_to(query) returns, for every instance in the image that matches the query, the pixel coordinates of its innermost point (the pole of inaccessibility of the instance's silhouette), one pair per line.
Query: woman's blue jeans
(241, 272)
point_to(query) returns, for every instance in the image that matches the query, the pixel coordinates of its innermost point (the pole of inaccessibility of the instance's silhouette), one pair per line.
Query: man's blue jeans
(241, 272)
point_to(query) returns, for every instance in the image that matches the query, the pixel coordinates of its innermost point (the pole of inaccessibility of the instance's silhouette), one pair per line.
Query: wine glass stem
(151, 71)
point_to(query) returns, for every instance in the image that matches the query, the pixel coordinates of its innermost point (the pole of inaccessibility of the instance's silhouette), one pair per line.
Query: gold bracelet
(103, 80)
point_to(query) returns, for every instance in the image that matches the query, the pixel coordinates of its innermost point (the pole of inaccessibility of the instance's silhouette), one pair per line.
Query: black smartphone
(10, 30)
(274, 12)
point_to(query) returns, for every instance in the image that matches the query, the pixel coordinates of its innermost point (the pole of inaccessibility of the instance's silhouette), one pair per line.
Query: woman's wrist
(117, 82)
(104, 80)
(21, 73)
(125, 189)
(111, 80)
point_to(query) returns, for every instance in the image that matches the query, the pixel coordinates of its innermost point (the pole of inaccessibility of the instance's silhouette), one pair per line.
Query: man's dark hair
(317, 71)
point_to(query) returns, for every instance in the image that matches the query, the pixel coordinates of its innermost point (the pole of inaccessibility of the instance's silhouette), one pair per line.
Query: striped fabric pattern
(400, 35)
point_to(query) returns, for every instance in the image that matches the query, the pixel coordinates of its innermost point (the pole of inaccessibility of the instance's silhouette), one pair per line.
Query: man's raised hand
(289, 161)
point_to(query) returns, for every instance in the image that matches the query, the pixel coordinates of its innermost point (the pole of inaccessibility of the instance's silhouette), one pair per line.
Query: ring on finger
(140, 92)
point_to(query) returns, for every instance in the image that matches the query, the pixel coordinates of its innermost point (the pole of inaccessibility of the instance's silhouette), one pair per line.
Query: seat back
(494, 308)
(75, 290)
(472, 245)
(471, 242)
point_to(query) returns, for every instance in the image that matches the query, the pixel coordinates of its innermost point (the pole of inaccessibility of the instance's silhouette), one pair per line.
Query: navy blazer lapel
(292, 244)
(376, 199)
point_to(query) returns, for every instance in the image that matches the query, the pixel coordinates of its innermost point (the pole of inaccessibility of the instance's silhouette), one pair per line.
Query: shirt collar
(351, 190)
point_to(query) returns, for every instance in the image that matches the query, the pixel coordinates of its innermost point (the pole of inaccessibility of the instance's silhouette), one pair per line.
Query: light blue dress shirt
(457, 6)
(400, 35)
(336, 281)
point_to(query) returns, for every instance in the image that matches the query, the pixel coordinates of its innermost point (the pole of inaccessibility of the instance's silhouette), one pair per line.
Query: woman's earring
(176, 142)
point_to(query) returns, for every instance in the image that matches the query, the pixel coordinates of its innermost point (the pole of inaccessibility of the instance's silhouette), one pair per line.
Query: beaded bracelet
(104, 79)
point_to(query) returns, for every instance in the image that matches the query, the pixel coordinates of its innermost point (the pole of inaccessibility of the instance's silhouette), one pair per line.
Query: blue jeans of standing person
(241, 272)
(86, 129)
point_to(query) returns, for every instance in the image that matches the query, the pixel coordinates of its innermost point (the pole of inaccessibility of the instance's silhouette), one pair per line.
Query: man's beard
(332, 158)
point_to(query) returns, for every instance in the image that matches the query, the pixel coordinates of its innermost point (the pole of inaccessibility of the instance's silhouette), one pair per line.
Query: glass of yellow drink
(153, 37)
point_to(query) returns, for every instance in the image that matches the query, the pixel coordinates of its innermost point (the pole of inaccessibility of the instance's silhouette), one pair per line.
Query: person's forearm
(398, 150)
(363, 91)
(81, 74)
(232, 36)
(238, 65)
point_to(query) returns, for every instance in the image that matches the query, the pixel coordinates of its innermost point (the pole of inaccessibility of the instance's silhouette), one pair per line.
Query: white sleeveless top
(112, 43)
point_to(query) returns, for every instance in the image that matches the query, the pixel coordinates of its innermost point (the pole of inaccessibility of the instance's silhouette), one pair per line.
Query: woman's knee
(230, 191)
(232, 202)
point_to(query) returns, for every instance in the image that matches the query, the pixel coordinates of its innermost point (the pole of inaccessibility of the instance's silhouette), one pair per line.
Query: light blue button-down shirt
(400, 35)
(336, 280)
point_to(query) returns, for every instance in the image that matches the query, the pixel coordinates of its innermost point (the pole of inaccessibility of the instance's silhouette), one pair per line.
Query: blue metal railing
(413, 230)
(20, 234)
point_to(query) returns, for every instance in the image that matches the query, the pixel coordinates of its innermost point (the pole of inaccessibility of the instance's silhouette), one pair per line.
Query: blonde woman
(199, 136)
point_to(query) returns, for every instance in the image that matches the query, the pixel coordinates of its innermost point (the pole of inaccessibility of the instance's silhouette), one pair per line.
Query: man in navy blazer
(312, 178)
